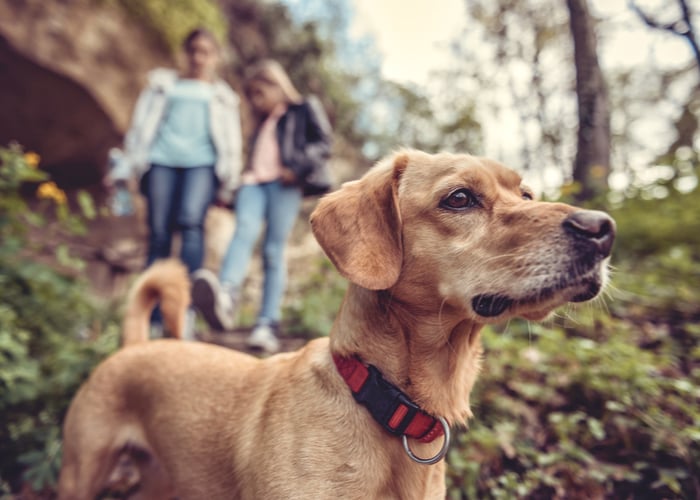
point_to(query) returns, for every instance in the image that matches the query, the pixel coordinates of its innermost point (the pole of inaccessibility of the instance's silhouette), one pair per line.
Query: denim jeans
(275, 207)
(178, 199)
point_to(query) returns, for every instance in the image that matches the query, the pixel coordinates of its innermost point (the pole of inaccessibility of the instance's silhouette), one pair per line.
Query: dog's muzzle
(591, 234)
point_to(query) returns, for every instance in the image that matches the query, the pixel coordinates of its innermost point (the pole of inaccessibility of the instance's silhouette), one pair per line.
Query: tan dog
(434, 248)
(165, 282)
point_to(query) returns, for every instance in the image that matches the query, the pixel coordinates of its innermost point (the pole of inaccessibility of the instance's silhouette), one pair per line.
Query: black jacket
(304, 137)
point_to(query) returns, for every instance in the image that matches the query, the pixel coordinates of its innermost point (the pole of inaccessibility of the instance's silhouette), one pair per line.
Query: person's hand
(288, 177)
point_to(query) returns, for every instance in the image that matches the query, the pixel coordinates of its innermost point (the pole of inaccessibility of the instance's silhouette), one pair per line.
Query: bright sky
(412, 35)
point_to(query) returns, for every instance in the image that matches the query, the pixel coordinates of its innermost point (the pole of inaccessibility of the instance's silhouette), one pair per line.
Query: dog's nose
(594, 226)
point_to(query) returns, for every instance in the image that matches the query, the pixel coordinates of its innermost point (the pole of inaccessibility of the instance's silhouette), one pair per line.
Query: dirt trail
(236, 339)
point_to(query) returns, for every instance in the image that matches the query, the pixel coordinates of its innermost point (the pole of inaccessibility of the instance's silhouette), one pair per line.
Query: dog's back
(165, 282)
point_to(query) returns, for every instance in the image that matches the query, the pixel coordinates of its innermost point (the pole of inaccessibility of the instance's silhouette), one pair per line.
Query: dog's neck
(434, 358)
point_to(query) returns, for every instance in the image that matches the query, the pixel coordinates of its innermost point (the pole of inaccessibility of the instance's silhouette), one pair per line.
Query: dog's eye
(527, 195)
(460, 200)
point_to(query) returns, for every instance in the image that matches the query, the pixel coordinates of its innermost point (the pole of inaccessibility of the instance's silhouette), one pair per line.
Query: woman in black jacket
(287, 160)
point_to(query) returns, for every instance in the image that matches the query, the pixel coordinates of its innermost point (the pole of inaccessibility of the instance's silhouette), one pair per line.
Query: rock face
(70, 71)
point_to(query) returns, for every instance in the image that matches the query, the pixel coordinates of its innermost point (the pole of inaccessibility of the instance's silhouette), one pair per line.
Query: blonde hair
(272, 73)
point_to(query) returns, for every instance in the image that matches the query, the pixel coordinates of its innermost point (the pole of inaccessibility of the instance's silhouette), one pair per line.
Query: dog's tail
(165, 282)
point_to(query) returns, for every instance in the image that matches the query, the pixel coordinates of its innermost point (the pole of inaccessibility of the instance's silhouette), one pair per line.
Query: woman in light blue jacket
(184, 146)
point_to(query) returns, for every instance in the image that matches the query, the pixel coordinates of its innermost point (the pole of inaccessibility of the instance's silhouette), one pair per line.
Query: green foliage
(50, 334)
(50, 338)
(20, 176)
(580, 409)
(313, 308)
(16, 169)
(658, 251)
(173, 20)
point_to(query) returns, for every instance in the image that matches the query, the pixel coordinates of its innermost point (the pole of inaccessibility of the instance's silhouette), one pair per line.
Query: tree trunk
(592, 163)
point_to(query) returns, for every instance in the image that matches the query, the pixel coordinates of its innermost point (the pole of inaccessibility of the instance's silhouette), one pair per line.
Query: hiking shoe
(216, 305)
(264, 338)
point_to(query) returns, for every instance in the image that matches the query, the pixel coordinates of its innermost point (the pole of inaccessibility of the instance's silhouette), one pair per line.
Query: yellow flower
(50, 191)
(32, 159)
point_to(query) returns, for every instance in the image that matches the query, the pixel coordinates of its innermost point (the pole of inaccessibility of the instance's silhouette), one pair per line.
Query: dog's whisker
(567, 314)
(529, 332)
(498, 257)
(601, 303)
(612, 290)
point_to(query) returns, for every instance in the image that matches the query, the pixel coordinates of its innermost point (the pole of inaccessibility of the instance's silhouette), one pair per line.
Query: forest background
(602, 401)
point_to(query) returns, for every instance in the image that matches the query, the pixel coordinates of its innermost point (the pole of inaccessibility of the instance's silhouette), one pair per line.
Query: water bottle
(121, 203)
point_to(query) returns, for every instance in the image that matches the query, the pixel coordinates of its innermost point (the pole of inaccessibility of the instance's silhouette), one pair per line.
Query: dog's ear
(359, 226)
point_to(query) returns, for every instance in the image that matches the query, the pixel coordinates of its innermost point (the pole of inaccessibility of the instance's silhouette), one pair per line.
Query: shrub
(580, 412)
(51, 335)
(314, 305)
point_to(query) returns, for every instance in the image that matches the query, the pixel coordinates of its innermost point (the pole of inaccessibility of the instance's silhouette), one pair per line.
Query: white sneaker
(216, 306)
(263, 337)
(155, 331)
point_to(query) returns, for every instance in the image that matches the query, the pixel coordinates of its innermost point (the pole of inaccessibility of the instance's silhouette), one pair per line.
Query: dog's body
(434, 247)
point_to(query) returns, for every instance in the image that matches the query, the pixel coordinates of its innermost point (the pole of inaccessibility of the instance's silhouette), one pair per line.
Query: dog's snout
(594, 226)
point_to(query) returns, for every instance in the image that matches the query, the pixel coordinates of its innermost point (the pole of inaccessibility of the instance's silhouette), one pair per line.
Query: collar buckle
(387, 404)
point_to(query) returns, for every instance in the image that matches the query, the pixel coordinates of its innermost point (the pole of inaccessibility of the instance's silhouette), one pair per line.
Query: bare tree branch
(681, 27)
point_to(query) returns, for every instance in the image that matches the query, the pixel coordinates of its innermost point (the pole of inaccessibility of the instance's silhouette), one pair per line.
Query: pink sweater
(265, 163)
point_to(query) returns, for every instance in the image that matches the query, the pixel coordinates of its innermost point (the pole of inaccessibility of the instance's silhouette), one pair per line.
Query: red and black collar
(389, 406)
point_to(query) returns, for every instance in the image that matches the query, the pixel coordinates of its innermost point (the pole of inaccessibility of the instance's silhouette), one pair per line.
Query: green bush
(581, 411)
(51, 335)
(313, 307)
(50, 338)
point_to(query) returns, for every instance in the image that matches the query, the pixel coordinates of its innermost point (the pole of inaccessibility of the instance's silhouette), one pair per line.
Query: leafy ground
(603, 401)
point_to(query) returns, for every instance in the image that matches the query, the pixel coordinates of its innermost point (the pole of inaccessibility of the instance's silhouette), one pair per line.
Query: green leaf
(87, 204)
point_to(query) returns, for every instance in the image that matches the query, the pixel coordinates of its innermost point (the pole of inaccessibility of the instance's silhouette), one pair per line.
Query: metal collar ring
(440, 454)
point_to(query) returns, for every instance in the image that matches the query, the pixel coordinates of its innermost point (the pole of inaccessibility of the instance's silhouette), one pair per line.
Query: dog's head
(460, 233)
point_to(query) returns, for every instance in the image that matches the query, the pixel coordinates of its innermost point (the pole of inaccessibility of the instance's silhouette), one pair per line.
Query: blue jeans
(276, 207)
(178, 199)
